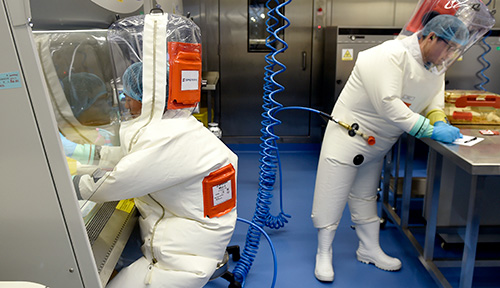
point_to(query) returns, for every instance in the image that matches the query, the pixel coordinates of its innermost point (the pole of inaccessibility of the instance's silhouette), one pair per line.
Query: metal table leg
(396, 160)
(472, 231)
(386, 183)
(407, 182)
(433, 186)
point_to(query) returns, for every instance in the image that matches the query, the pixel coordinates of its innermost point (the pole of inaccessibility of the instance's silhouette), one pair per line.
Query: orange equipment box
(472, 107)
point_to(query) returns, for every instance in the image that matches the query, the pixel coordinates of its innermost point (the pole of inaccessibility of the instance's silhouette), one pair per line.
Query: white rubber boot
(324, 267)
(369, 250)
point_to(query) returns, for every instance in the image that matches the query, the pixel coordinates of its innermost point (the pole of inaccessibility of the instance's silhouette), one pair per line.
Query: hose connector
(354, 130)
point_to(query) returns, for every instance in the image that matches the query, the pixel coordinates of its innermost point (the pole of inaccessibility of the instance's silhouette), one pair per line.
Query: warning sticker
(347, 54)
(126, 205)
(222, 193)
(10, 80)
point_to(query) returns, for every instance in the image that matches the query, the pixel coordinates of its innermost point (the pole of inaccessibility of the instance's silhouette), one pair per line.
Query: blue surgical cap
(132, 81)
(449, 28)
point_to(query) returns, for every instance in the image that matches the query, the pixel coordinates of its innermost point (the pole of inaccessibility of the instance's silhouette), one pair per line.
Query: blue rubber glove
(445, 133)
(439, 123)
(69, 147)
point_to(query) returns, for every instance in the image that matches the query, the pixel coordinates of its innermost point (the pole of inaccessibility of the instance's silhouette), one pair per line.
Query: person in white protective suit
(390, 85)
(181, 176)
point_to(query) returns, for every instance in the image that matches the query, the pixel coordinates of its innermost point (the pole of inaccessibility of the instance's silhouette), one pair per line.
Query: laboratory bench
(461, 200)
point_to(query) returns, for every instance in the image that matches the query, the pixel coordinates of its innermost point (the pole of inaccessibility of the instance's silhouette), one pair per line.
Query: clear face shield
(174, 52)
(455, 25)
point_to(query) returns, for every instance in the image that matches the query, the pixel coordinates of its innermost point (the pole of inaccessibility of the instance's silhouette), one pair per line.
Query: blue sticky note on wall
(10, 80)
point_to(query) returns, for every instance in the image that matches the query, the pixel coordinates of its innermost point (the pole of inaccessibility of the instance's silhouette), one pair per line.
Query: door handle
(304, 60)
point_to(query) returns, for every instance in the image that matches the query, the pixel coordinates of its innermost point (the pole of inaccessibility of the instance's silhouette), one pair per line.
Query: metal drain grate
(95, 226)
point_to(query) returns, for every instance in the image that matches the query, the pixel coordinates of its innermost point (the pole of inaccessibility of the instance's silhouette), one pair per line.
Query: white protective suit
(166, 159)
(385, 93)
(387, 90)
(164, 173)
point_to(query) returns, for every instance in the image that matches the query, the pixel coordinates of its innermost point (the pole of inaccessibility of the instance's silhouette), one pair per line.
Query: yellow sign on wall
(347, 54)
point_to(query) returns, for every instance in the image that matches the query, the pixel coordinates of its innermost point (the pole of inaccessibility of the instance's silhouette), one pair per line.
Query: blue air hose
(270, 245)
(269, 161)
(269, 154)
(485, 63)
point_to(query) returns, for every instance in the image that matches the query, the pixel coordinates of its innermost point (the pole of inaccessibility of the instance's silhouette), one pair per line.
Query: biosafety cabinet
(48, 237)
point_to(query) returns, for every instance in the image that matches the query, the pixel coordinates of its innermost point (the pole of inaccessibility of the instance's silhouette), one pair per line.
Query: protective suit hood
(169, 48)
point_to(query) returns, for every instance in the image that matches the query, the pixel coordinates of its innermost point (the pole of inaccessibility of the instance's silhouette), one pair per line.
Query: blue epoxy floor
(295, 244)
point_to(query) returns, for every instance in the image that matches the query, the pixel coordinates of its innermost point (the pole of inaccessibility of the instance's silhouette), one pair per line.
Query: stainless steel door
(350, 42)
(465, 73)
(242, 73)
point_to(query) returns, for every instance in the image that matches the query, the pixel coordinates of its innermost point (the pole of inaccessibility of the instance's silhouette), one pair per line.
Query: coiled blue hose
(269, 161)
(270, 245)
(485, 63)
